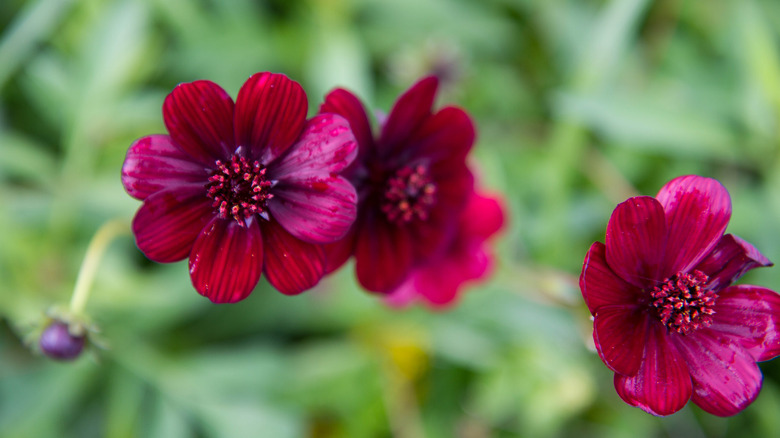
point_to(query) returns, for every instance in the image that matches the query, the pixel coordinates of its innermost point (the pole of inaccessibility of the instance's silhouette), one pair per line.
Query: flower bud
(58, 343)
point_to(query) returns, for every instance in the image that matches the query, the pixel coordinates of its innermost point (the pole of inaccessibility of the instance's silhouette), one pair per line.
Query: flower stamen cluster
(409, 193)
(239, 189)
(682, 302)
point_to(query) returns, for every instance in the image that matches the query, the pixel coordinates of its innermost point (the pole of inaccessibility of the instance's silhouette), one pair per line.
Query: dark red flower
(666, 319)
(412, 183)
(242, 188)
(468, 257)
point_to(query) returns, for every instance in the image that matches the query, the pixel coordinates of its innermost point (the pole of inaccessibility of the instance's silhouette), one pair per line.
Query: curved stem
(95, 250)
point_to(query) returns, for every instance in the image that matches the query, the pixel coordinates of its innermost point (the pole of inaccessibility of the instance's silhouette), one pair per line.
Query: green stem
(95, 250)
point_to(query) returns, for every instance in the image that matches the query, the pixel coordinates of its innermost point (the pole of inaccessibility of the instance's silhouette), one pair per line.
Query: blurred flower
(57, 342)
(412, 183)
(467, 257)
(666, 319)
(242, 188)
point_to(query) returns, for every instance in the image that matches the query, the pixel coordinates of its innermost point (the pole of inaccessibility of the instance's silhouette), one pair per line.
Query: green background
(579, 104)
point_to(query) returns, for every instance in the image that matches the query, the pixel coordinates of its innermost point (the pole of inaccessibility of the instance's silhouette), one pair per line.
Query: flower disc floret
(682, 302)
(409, 194)
(239, 189)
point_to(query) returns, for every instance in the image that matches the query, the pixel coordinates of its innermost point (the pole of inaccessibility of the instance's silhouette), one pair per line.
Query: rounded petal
(227, 260)
(321, 213)
(697, 211)
(725, 377)
(751, 316)
(170, 220)
(383, 255)
(347, 105)
(600, 286)
(449, 134)
(326, 146)
(310, 200)
(438, 284)
(408, 113)
(729, 260)
(620, 334)
(199, 118)
(154, 163)
(291, 265)
(662, 385)
(483, 216)
(270, 113)
(636, 239)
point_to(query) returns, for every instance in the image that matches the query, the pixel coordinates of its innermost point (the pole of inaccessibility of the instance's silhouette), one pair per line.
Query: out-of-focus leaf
(44, 397)
(238, 417)
(610, 36)
(22, 157)
(650, 123)
(337, 56)
(36, 23)
(167, 421)
(124, 406)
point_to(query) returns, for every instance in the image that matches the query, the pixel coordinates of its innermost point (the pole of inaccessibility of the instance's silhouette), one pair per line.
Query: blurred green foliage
(579, 104)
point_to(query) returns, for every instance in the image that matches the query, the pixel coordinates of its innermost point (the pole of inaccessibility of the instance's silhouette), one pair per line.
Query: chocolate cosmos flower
(468, 258)
(242, 188)
(666, 319)
(412, 183)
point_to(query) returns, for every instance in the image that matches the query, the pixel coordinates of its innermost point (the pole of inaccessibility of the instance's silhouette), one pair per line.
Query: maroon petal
(662, 386)
(347, 105)
(448, 134)
(636, 239)
(751, 316)
(227, 260)
(337, 253)
(483, 216)
(199, 117)
(725, 377)
(729, 260)
(440, 283)
(153, 163)
(474, 259)
(383, 256)
(408, 113)
(454, 186)
(319, 214)
(453, 190)
(430, 238)
(600, 286)
(291, 265)
(270, 113)
(697, 210)
(170, 220)
(326, 146)
(311, 201)
(620, 334)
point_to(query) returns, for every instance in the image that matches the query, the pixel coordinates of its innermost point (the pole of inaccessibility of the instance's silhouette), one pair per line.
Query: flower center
(239, 189)
(408, 194)
(682, 304)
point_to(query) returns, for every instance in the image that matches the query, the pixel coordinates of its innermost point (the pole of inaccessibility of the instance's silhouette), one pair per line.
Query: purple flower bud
(58, 343)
